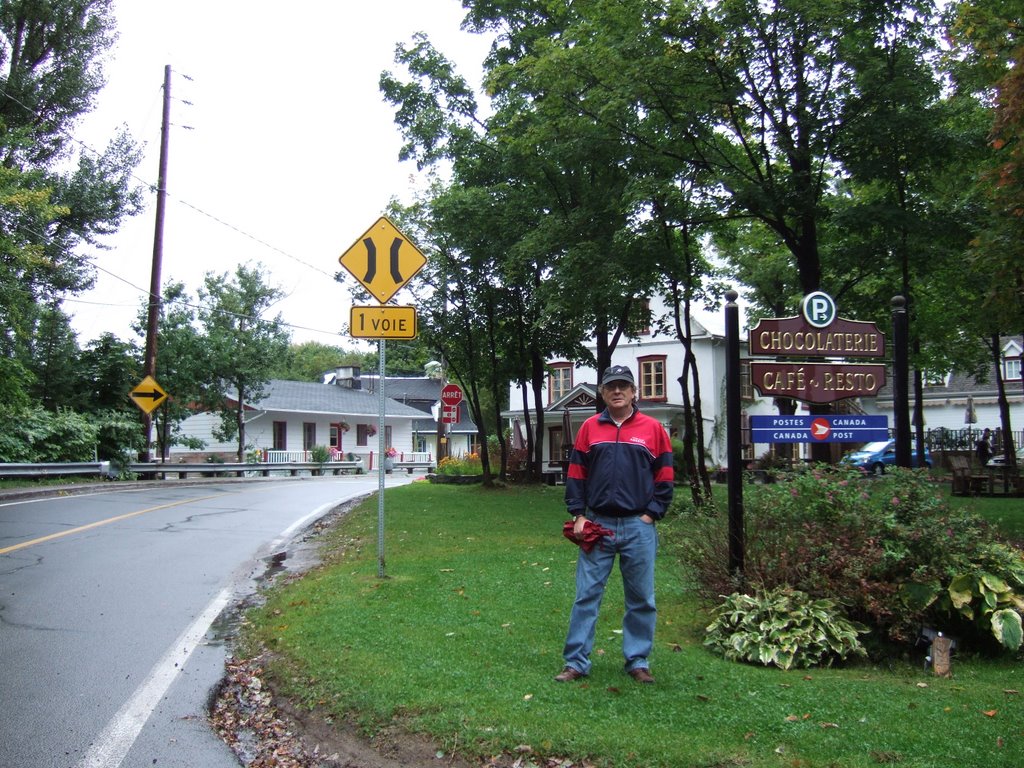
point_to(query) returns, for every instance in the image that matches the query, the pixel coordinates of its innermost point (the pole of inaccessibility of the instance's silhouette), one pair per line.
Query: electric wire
(153, 187)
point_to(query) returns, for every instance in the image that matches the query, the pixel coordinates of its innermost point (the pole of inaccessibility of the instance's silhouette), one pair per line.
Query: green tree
(110, 369)
(241, 344)
(50, 71)
(183, 364)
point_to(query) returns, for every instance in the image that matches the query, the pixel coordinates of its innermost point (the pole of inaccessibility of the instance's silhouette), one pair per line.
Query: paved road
(108, 646)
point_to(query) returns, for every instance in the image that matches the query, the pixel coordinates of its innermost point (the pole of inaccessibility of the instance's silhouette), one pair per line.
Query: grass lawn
(463, 636)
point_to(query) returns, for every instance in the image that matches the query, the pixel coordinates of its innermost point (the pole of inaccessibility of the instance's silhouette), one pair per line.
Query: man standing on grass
(620, 477)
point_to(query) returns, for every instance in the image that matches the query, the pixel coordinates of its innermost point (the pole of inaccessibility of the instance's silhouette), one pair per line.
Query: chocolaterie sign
(819, 333)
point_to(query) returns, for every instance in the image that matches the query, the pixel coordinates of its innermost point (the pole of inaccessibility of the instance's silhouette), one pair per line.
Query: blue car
(875, 457)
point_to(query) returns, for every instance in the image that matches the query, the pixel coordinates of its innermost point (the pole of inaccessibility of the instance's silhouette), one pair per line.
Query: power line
(151, 186)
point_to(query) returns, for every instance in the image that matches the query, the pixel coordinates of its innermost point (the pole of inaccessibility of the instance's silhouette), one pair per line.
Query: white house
(343, 414)
(657, 362)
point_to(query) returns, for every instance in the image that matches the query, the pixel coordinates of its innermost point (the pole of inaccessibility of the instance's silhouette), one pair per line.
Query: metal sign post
(383, 260)
(733, 434)
(380, 453)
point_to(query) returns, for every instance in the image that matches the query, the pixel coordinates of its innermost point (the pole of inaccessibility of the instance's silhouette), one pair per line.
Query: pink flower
(895, 501)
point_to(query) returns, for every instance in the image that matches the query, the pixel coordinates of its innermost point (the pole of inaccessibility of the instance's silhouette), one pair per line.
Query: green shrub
(321, 454)
(468, 464)
(784, 628)
(890, 551)
(38, 435)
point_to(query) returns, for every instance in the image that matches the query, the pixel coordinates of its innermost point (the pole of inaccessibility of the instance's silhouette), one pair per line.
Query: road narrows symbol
(396, 273)
(371, 259)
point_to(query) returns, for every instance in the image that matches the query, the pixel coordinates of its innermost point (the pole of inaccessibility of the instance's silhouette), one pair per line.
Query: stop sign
(451, 394)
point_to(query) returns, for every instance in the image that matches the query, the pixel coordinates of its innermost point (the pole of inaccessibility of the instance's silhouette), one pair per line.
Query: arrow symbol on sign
(819, 429)
(152, 394)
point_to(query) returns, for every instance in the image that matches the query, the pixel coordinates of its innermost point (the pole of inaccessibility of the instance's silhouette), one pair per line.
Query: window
(652, 378)
(280, 436)
(640, 318)
(746, 385)
(555, 445)
(559, 381)
(335, 436)
(308, 435)
(1011, 368)
(934, 378)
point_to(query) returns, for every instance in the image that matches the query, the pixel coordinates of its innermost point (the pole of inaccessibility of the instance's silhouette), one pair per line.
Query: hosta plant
(985, 599)
(784, 628)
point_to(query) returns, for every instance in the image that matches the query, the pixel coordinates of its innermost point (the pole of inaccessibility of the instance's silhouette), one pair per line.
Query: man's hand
(577, 526)
(647, 519)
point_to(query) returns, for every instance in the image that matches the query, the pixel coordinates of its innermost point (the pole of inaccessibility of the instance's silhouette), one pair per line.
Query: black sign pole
(733, 434)
(900, 378)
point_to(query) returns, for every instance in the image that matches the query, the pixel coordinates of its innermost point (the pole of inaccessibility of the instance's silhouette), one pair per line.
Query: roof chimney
(348, 376)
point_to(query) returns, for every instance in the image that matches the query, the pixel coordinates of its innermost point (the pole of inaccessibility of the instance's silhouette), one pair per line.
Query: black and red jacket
(620, 471)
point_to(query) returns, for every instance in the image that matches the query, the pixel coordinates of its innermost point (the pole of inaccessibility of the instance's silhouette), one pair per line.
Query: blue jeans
(636, 544)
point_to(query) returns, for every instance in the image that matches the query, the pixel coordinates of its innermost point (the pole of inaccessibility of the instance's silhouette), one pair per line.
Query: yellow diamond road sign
(383, 260)
(148, 395)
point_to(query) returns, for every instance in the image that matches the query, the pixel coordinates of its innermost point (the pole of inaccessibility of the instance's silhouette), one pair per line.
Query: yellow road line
(98, 523)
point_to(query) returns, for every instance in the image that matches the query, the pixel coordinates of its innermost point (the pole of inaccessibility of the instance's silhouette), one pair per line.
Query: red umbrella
(589, 538)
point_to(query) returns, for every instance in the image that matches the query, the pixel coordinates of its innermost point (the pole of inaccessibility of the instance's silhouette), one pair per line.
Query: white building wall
(259, 433)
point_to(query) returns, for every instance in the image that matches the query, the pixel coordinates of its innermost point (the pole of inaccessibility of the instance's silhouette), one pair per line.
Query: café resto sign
(817, 382)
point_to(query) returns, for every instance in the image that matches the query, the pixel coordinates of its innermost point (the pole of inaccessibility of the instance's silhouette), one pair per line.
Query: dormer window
(559, 381)
(1011, 361)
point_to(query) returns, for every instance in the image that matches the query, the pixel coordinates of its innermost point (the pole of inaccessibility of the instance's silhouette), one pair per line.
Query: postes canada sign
(819, 333)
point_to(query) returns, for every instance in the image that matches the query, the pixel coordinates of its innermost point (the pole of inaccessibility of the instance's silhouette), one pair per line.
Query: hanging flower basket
(371, 430)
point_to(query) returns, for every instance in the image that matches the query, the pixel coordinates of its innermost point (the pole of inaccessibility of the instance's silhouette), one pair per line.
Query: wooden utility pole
(158, 254)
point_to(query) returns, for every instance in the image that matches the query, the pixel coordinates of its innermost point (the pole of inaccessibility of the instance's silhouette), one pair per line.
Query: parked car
(999, 461)
(875, 457)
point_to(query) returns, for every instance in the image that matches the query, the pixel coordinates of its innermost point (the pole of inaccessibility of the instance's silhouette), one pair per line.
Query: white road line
(117, 738)
(110, 748)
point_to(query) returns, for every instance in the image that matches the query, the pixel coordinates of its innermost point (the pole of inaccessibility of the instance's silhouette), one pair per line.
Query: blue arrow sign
(850, 428)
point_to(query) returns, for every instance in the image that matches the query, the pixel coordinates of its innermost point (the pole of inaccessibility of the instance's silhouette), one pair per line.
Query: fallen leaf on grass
(1011, 692)
(527, 697)
(702, 697)
(829, 725)
(922, 685)
(990, 712)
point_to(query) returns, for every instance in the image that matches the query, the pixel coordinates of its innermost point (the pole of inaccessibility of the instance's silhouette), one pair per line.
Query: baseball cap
(618, 373)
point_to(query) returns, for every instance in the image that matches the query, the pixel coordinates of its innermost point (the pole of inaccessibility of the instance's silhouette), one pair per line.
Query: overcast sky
(290, 152)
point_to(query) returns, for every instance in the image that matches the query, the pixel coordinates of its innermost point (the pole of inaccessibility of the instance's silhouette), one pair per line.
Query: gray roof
(408, 388)
(959, 383)
(313, 397)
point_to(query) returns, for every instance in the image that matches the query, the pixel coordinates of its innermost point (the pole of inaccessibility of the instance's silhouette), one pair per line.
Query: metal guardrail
(155, 469)
(57, 469)
(246, 469)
